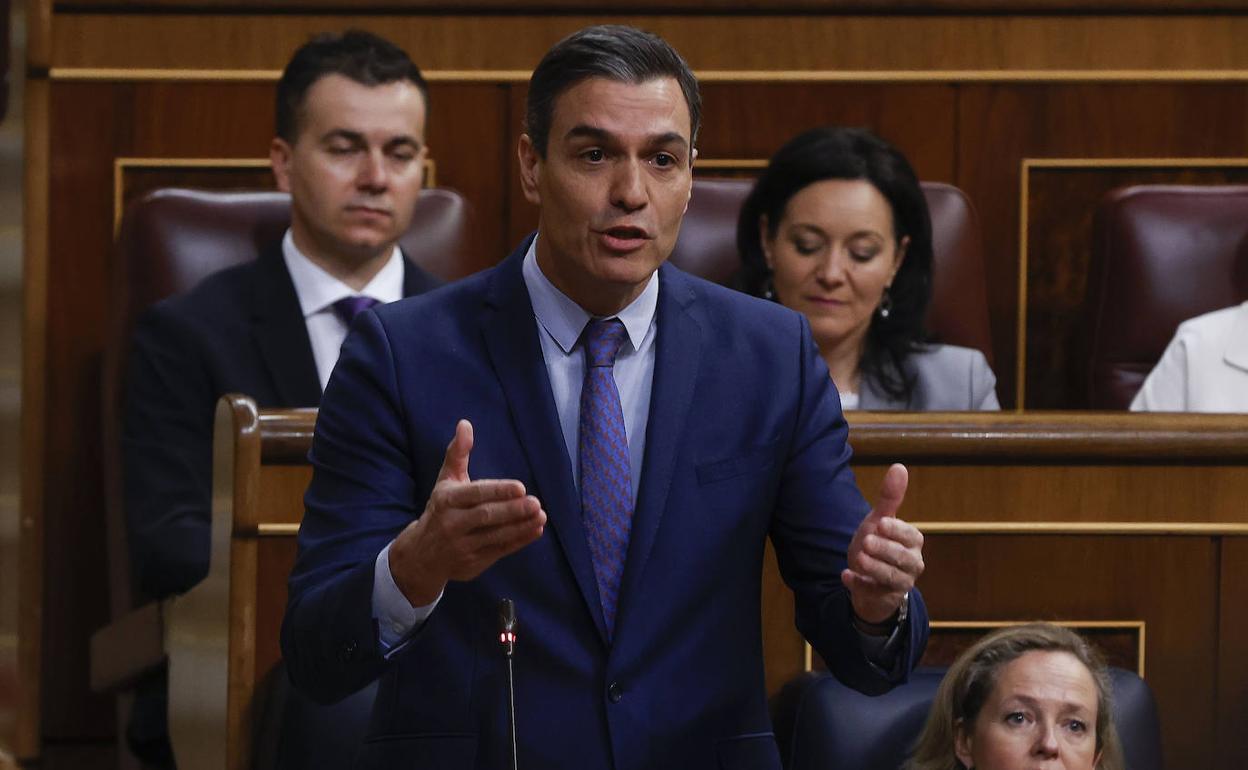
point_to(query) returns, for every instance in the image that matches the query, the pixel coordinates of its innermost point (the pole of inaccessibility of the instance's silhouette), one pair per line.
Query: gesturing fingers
(463, 495)
(888, 563)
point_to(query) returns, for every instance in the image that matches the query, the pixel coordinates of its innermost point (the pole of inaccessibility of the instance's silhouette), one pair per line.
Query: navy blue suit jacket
(240, 330)
(745, 440)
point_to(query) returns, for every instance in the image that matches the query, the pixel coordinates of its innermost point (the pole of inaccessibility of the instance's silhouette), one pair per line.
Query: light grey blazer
(947, 378)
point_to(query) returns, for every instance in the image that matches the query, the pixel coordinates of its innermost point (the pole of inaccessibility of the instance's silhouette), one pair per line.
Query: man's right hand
(467, 526)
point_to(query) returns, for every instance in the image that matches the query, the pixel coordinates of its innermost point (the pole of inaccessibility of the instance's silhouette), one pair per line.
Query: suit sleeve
(166, 445)
(817, 511)
(361, 496)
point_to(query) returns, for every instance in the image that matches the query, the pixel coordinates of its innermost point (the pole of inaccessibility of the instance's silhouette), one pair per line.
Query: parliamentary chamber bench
(1132, 529)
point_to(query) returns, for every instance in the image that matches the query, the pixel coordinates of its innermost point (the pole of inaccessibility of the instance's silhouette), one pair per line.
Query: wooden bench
(1131, 528)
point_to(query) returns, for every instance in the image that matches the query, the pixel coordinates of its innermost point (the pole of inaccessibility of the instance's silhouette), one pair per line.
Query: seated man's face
(613, 187)
(355, 168)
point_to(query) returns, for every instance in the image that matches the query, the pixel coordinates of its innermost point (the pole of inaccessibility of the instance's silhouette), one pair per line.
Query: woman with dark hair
(1020, 697)
(837, 228)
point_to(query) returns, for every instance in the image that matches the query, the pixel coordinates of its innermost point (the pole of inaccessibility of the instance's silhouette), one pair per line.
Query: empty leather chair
(170, 240)
(1161, 254)
(958, 314)
(835, 726)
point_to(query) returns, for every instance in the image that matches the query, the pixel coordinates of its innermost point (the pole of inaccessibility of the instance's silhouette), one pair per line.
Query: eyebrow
(357, 137)
(583, 131)
(1030, 702)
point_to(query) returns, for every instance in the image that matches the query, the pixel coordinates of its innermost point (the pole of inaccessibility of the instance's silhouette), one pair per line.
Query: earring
(886, 305)
(769, 288)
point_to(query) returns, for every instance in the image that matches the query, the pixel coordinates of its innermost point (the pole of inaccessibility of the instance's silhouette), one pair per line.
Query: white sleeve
(1165, 389)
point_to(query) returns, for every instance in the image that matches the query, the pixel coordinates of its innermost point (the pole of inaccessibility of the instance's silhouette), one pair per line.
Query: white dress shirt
(1204, 368)
(317, 291)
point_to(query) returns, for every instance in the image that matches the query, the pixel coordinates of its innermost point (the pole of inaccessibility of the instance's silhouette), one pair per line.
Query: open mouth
(624, 237)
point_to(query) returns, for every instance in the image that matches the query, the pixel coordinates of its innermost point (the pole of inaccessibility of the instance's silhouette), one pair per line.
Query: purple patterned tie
(606, 482)
(348, 308)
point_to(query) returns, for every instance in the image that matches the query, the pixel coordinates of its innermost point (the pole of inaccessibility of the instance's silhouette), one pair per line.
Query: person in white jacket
(1204, 368)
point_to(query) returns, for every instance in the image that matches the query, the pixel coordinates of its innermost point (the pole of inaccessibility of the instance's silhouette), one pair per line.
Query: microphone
(507, 637)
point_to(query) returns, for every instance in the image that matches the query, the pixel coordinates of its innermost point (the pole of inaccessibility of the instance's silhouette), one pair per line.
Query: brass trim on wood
(1138, 625)
(1117, 528)
(1004, 438)
(163, 74)
(1024, 205)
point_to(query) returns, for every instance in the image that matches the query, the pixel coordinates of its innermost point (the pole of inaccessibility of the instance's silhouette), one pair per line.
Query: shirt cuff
(396, 618)
(882, 651)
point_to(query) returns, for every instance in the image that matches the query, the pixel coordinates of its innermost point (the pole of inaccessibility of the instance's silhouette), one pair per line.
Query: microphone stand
(507, 637)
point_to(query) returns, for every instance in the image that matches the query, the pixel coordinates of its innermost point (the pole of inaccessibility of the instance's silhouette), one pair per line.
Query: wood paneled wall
(970, 91)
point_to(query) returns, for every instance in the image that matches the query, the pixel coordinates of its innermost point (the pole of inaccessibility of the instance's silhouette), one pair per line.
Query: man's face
(355, 168)
(612, 188)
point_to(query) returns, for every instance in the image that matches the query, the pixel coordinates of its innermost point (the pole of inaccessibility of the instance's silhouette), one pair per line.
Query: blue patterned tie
(606, 482)
(348, 308)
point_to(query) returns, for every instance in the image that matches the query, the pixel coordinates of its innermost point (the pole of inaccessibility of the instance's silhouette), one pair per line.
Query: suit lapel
(510, 333)
(676, 362)
(282, 333)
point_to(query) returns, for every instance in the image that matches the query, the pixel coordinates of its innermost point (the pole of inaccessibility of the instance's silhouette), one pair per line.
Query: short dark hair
(613, 51)
(852, 153)
(361, 56)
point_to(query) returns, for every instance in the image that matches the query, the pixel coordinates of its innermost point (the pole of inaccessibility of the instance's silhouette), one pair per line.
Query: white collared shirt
(1204, 368)
(317, 291)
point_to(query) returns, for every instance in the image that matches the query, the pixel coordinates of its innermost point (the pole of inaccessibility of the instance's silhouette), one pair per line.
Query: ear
(422, 158)
(692, 157)
(764, 240)
(530, 170)
(962, 745)
(280, 154)
(899, 257)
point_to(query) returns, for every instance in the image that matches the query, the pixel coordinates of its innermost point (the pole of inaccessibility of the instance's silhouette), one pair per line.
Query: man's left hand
(885, 556)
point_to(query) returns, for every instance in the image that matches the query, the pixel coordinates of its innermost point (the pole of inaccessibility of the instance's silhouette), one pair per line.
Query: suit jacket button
(615, 692)
(348, 650)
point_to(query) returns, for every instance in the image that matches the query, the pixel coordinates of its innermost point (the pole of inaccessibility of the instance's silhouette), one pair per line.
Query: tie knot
(603, 339)
(348, 308)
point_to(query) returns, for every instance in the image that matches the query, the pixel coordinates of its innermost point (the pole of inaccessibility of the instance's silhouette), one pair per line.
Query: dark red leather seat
(958, 314)
(1161, 254)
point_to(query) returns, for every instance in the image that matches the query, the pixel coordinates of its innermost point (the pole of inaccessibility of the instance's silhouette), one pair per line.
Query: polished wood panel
(1121, 643)
(1001, 125)
(701, 6)
(1162, 603)
(1171, 584)
(1060, 203)
(736, 42)
(1232, 702)
(34, 427)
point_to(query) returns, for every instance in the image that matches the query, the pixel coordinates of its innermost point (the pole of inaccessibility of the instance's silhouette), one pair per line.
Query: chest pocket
(755, 460)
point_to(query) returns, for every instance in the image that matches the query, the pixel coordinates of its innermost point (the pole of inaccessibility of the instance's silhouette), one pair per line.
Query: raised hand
(466, 526)
(886, 554)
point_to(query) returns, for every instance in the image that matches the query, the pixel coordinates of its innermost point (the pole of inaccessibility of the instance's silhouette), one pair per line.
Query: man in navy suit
(349, 149)
(606, 441)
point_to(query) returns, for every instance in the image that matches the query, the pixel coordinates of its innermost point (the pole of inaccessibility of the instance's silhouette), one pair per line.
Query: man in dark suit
(349, 149)
(608, 442)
